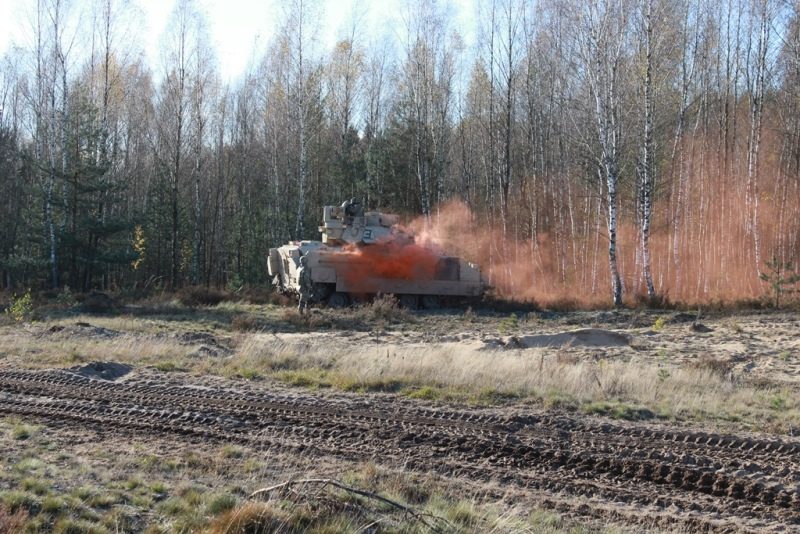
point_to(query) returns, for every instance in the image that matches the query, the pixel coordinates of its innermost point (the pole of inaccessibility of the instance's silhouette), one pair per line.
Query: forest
(602, 151)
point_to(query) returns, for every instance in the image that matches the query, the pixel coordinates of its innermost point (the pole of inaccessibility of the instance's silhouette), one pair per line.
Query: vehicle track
(580, 465)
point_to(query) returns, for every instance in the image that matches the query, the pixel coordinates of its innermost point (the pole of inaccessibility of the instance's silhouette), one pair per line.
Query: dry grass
(703, 389)
(67, 351)
(328, 509)
(131, 487)
(12, 522)
(245, 323)
(471, 373)
(255, 518)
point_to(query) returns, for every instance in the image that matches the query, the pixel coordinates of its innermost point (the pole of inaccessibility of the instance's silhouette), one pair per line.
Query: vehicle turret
(349, 224)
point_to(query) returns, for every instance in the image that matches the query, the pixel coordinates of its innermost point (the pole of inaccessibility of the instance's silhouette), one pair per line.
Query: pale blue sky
(237, 27)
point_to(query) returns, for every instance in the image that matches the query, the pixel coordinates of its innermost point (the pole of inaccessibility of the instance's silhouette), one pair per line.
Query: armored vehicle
(365, 254)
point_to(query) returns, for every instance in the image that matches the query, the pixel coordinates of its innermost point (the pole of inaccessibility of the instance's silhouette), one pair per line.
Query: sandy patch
(102, 370)
(587, 337)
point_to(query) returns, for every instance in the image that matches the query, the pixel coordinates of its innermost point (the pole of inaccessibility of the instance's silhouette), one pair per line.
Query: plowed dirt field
(672, 477)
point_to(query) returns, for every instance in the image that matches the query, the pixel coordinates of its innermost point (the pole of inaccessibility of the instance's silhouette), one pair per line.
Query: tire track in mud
(577, 465)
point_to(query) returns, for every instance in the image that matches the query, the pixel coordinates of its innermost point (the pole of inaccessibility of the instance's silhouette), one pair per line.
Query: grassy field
(64, 481)
(447, 356)
(101, 484)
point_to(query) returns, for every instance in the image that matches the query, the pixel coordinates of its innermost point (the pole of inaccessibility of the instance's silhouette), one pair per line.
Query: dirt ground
(628, 421)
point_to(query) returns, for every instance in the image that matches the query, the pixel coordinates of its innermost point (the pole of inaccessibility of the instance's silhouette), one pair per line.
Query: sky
(237, 27)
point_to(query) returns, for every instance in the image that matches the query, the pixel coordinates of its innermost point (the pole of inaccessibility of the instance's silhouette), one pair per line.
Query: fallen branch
(419, 516)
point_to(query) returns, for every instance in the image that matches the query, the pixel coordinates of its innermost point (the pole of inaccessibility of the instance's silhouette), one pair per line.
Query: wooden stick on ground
(419, 516)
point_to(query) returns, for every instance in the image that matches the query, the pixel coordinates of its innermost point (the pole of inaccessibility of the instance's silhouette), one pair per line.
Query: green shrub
(781, 278)
(173, 506)
(159, 488)
(235, 283)
(66, 298)
(29, 465)
(21, 307)
(509, 324)
(248, 373)
(778, 402)
(167, 366)
(425, 393)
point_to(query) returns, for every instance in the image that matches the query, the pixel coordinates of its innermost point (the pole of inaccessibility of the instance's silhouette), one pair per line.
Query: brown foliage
(718, 366)
(200, 296)
(254, 518)
(245, 323)
(12, 523)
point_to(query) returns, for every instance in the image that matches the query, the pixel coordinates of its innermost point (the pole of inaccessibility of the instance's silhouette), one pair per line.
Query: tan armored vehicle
(364, 254)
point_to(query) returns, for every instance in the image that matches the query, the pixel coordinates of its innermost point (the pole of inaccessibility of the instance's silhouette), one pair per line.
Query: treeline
(603, 149)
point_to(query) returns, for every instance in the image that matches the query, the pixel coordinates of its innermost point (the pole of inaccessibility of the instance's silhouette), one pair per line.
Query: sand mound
(102, 370)
(588, 337)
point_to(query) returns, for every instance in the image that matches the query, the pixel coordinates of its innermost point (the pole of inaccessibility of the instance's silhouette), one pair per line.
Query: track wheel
(409, 302)
(338, 300)
(431, 302)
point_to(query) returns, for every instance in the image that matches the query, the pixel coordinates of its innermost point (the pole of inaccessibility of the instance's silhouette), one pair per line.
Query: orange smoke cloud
(702, 239)
(506, 264)
(555, 247)
(390, 259)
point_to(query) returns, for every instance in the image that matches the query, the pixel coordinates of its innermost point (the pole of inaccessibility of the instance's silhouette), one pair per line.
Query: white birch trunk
(647, 153)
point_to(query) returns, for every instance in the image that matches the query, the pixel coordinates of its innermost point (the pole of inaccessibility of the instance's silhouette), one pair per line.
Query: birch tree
(180, 43)
(51, 109)
(756, 78)
(427, 76)
(601, 41)
(202, 97)
(376, 95)
(647, 164)
(298, 37)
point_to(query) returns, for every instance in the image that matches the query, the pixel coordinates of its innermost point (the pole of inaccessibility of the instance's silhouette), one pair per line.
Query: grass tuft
(221, 503)
(53, 504)
(22, 431)
(167, 366)
(245, 323)
(69, 525)
(14, 500)
(232, 451)
(39, 487)
(255, 518)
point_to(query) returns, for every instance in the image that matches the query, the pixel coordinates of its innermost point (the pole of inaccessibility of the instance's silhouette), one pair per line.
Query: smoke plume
(703, 241)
